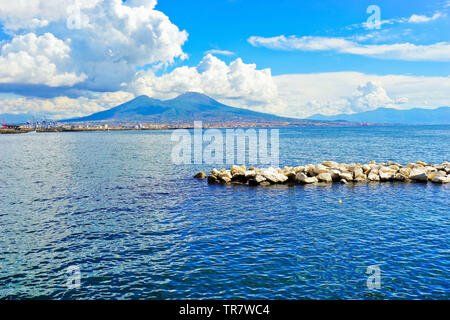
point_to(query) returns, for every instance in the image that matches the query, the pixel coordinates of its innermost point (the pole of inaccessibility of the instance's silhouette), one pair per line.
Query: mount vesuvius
(185, 108)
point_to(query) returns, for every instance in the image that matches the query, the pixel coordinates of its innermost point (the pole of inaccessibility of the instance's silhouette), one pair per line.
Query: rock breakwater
(332, 172)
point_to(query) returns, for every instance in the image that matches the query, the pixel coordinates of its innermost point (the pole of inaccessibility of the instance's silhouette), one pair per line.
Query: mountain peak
(196, 97)
(142, 98)
(189, 94)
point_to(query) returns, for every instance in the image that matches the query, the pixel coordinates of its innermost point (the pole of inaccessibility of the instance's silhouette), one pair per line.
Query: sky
(66, 58)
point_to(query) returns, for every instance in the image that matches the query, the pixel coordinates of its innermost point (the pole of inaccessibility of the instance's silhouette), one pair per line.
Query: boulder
(430, 169)
(212, 179)
(249, 174)
(386, 175)
(256, 180)
(274, 176)
(346, 175)
(291, 175)
(309, 170)
(360, 178)
(335, 174)
(405, 171)
(320, 169)
(325, 177)
(302, 178)
(436, 174)
(394, 168)
(418, 175)
(357, 171)
(236, 170)
(299, 169)
(200, 175)
(330, 164)
(224, 173)
(373, 176)
(441, 179)
(400, 177)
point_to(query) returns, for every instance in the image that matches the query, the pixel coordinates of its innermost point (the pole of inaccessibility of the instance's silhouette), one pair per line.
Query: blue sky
(227, 25)
(287, 57)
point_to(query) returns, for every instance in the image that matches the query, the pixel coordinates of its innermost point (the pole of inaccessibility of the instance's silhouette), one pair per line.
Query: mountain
(393, 116)
(185, 108)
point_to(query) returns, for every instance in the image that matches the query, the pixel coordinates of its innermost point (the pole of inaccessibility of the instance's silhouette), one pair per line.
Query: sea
(108, 215)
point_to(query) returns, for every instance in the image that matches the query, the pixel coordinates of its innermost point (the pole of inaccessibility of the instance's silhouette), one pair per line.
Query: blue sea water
(139, 227)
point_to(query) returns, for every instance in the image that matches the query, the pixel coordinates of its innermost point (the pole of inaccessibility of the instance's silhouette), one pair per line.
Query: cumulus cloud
(371, 96)
(37, 60)
(24, 14)
(105, 40)
(237, 84)
(64, 107)
(398, 51)
(348, 92)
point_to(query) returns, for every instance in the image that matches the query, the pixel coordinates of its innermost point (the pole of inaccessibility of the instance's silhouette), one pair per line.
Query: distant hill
(393, 116)
(185, 108)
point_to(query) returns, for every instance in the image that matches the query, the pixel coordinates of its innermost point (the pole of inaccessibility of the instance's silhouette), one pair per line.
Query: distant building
(11, 126)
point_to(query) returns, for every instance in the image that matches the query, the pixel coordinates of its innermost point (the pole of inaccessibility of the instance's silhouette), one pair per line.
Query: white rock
(419, 175)
(357, 171)
(405, 171)
(335, 174)
(346, 175)
(400, 177)
(440, 179)
(249, 174)
(330, 164)
(273, 176)
(386, 175)
(320, 169)
(303, 179)
(325, 177)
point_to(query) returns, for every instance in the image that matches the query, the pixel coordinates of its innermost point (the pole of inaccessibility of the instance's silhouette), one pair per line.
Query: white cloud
(64, 107)
(105, 39)
(37, 60)
(28, 15)
(397, 51)
(371, 96)
(220, 52)
(416, 18)
(237, 84)
(347, 92)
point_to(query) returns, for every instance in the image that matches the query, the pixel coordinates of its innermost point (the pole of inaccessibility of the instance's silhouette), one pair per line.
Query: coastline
(223, 125)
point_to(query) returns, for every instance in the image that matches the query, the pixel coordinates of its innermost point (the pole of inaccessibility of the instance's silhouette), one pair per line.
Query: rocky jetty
(329, 172)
